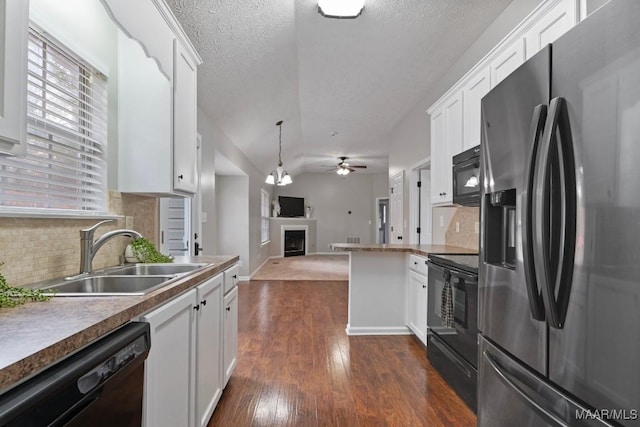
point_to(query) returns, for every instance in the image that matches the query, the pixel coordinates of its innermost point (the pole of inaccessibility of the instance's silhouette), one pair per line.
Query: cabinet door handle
(235, 276)
(415, 262)
(228, 308)
(196, 307)
(424, 286)
(181, 176)
(203, 302)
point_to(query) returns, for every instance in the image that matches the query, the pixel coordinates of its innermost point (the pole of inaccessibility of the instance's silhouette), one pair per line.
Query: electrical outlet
(457, 227)
(441, 221)
(240, 263)
(477, 227)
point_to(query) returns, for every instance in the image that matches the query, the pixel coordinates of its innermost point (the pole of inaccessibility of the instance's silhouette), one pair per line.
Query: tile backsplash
(35, 249)
(463, 230)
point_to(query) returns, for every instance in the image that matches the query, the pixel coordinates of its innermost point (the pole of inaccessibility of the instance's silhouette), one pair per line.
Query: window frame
(265, 207)
(51, 147)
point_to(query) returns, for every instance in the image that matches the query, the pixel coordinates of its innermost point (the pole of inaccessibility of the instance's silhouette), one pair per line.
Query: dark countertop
(35, 335)
(423, 250)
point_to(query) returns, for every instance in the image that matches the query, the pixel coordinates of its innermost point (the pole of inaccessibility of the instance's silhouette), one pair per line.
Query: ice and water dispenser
(500, 223)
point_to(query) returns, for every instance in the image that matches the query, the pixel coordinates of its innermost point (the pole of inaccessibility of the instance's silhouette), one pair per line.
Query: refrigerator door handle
(556, 137)
(510, 382)
(535, 297)
(568, 205)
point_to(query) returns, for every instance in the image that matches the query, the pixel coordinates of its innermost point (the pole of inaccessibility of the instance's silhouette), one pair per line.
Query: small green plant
(146, 252)
(11, 297)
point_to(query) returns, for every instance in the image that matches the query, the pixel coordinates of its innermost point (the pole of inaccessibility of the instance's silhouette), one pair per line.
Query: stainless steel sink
(152, 269)
(110, 285)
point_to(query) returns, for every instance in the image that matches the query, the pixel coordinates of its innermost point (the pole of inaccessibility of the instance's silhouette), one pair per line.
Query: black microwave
(466, 177)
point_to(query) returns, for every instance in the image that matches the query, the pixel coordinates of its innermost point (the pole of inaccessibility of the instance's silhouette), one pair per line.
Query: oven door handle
(453, 271)
(435, 266)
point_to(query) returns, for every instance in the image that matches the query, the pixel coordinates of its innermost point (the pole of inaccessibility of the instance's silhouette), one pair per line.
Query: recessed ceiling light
(346, 9)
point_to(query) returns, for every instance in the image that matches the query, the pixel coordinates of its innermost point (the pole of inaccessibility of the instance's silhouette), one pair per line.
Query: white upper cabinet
(474, 89)
(13, 77)
(145, 158)
(446, 141)
(157, 101)
(456, 117)
(552, 25)
(508, 60)
(141, 21)
(185, 136)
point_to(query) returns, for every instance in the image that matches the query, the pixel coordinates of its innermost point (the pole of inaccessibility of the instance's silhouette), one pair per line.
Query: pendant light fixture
(341, 9)
(279, 176)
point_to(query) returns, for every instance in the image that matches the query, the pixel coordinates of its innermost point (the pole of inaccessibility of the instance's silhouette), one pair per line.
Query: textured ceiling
(340, 86)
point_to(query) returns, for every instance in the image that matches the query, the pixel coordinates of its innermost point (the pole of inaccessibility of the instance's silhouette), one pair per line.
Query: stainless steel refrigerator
(559, 273)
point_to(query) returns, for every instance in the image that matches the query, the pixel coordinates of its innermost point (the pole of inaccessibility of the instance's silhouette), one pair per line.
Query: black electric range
(452, 316)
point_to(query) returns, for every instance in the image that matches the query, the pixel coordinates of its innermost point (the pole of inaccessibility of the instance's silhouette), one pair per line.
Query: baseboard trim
(377, 330)
(244, 278)
(330, 253)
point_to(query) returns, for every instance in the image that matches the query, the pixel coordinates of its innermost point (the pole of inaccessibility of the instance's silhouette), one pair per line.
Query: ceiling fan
(344, 168)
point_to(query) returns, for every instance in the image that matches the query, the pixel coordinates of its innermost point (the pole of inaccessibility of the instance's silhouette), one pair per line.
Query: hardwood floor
(297, 367)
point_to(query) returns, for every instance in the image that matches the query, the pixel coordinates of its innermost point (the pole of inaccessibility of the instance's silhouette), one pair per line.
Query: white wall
(332, 197)
(410, 140)
(214, 139)
(233, 216)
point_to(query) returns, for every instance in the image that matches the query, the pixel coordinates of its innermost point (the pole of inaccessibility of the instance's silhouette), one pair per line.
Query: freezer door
(510, 307)
(509, 395)
(595, 354)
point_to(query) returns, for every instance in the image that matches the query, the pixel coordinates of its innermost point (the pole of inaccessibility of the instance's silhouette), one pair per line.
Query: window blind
(264, 216)
(64, 169)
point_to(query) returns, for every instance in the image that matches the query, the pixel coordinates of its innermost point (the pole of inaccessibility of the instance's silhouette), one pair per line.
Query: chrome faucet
(88, 247)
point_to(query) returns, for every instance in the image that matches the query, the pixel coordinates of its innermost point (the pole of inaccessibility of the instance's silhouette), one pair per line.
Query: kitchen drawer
(418, 264)
(231, 277)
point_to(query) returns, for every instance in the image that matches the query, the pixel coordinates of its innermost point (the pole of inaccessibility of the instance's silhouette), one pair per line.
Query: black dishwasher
(101, 385)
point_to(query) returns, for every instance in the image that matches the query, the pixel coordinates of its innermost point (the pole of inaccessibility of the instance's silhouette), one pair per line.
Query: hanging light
(340, 8)
(279, 176)
(343, 171)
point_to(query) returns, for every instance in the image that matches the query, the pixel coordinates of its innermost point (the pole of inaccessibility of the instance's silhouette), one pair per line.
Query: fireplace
(294, 242)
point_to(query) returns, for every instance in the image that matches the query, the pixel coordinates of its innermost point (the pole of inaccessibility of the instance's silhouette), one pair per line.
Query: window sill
(56, 215)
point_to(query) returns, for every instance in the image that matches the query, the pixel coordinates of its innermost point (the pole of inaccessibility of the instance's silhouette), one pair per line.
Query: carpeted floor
(309, 267)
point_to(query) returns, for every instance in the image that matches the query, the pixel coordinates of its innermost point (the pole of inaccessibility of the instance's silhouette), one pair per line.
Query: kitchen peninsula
(378, 284)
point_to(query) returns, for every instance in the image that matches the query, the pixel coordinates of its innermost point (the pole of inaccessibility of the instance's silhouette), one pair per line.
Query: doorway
(396, 226)
(382, 220)
(421, 233)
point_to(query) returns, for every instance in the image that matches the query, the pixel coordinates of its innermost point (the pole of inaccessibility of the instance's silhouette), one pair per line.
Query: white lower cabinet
(169, 388)
(417, 297)
(209, 351)
(230, 323)
(183, 373)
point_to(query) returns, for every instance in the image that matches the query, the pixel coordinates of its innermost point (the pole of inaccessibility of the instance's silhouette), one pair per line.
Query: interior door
(396, 229)
(595, 352)
(425, 207)
(382, 221)
(196, 208)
